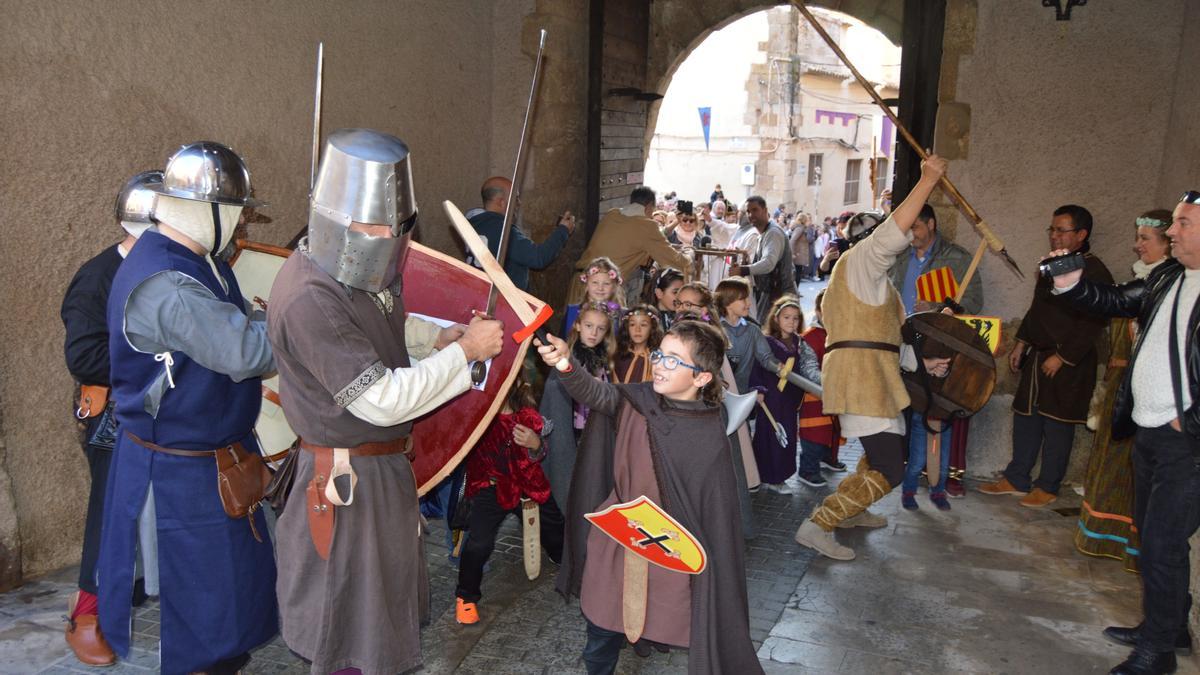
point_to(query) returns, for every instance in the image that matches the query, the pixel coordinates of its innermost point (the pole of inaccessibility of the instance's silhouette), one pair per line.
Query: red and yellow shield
(937, 285)
(641, 526)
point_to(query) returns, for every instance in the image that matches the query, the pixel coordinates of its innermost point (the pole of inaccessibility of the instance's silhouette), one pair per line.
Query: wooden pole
(982, 227)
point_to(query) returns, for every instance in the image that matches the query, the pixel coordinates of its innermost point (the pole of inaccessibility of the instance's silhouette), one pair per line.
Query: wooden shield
(972, 376)
(255, 266)
(437, 286)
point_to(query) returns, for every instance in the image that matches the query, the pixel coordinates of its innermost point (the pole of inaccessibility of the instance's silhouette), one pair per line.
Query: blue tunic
(217, 581)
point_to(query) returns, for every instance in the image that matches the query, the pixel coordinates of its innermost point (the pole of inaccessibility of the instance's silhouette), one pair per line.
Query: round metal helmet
(365, 177)
(862, 224)
(207, 171)
(135, 201)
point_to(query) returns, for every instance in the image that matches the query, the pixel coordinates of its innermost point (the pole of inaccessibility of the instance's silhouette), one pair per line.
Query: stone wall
(96, 92)
(1036, 113)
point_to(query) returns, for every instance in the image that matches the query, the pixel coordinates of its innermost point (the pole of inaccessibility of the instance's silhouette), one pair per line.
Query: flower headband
(612, 309)
(594, 269)
(641, 311)
(1144, 221)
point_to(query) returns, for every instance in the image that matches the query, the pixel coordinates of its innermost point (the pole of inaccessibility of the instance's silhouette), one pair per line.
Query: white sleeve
(403, 394)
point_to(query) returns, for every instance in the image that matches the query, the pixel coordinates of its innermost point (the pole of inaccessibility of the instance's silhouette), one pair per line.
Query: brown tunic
(1054, 326)
(668, 594)
(363, 607)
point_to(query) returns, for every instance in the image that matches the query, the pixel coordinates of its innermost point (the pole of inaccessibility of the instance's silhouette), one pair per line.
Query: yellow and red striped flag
(937, 285)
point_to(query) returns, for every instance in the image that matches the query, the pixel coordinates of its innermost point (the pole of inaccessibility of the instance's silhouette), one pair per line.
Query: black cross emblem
(651, 540)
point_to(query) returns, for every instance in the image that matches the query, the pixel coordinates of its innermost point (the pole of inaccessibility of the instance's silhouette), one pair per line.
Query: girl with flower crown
(593, 345)
(639, 334)
(603, 283)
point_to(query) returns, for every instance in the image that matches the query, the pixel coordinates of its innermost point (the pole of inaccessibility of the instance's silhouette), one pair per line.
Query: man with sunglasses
(1055, 354)
(1162, 413)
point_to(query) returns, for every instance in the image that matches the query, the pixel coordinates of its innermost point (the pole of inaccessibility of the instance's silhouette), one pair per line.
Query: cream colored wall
(91, 93)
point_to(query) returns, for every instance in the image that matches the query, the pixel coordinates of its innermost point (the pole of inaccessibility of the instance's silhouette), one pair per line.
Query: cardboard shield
(641, 526)
(439, 287)
(937, 285)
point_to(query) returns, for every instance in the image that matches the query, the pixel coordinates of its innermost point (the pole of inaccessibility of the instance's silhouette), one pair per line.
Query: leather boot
(84, 638)
(1129, 636)
(1146, 663)
(854, 494)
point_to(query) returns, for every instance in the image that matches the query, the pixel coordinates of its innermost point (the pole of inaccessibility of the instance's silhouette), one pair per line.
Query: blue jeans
(916, 456)
(1167, 512)
(811, 454)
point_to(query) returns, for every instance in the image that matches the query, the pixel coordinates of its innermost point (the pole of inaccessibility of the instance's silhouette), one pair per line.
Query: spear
(990, 240)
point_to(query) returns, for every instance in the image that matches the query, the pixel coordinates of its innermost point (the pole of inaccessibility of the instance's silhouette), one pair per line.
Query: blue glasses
(672, 362)
(1190, 197)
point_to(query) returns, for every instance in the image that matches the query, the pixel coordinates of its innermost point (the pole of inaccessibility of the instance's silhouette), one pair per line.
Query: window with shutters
(853, 178)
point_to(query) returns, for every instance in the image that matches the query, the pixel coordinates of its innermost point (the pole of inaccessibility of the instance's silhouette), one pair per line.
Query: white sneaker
(811, 535)
(780, 488)
(864, 519)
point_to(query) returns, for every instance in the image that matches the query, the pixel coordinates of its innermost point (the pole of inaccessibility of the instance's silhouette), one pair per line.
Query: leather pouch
(242, 480)
(92, 400)
(282, 481)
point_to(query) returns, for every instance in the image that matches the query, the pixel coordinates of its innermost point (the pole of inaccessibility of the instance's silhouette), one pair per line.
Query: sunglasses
(1190, 197)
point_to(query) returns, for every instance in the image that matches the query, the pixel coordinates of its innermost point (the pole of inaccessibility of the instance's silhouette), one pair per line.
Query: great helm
(135, 202)
(365, 177)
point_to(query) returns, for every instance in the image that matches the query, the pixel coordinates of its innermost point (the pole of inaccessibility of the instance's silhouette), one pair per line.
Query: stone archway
(678, 26)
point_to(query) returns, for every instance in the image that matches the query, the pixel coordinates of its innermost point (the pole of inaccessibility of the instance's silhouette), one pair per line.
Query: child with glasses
(663, 440)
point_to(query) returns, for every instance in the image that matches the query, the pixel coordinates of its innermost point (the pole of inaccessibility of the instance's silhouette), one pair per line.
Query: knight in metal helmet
(362, 209)
(203, 191)
(355, 370)
(86, 350)
(186, 364)
(135, 202)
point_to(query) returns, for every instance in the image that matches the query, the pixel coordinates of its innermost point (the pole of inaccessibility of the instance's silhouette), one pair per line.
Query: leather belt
(864, 344)
(169, 451)
(321, 495)
(402, 446)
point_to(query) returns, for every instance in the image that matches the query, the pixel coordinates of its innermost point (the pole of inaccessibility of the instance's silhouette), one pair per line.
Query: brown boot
(1000, 487)
(1039, 498)
(84, 638)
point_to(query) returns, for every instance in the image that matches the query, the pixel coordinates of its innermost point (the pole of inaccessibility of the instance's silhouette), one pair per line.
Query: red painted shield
(641, 526)
(435, 285)
(438, 285)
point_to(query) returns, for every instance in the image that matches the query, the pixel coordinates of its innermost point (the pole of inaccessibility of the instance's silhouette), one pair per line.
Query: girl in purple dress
(776, 461)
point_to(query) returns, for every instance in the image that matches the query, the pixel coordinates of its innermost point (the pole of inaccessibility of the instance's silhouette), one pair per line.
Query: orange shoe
(1038, 499)
(465, 612)
(1000, 487)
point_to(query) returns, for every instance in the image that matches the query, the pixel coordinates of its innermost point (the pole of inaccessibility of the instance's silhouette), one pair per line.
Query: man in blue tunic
(186, 362)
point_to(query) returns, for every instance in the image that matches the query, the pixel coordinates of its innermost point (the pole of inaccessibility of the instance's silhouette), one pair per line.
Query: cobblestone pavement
(526, 627)
(989, 587)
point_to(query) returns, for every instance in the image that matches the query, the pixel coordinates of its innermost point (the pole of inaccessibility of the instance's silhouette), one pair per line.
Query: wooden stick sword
(982, 227)
(501, 282)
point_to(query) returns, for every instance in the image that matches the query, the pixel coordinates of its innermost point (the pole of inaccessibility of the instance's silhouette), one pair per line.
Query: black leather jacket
(1140, 299)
